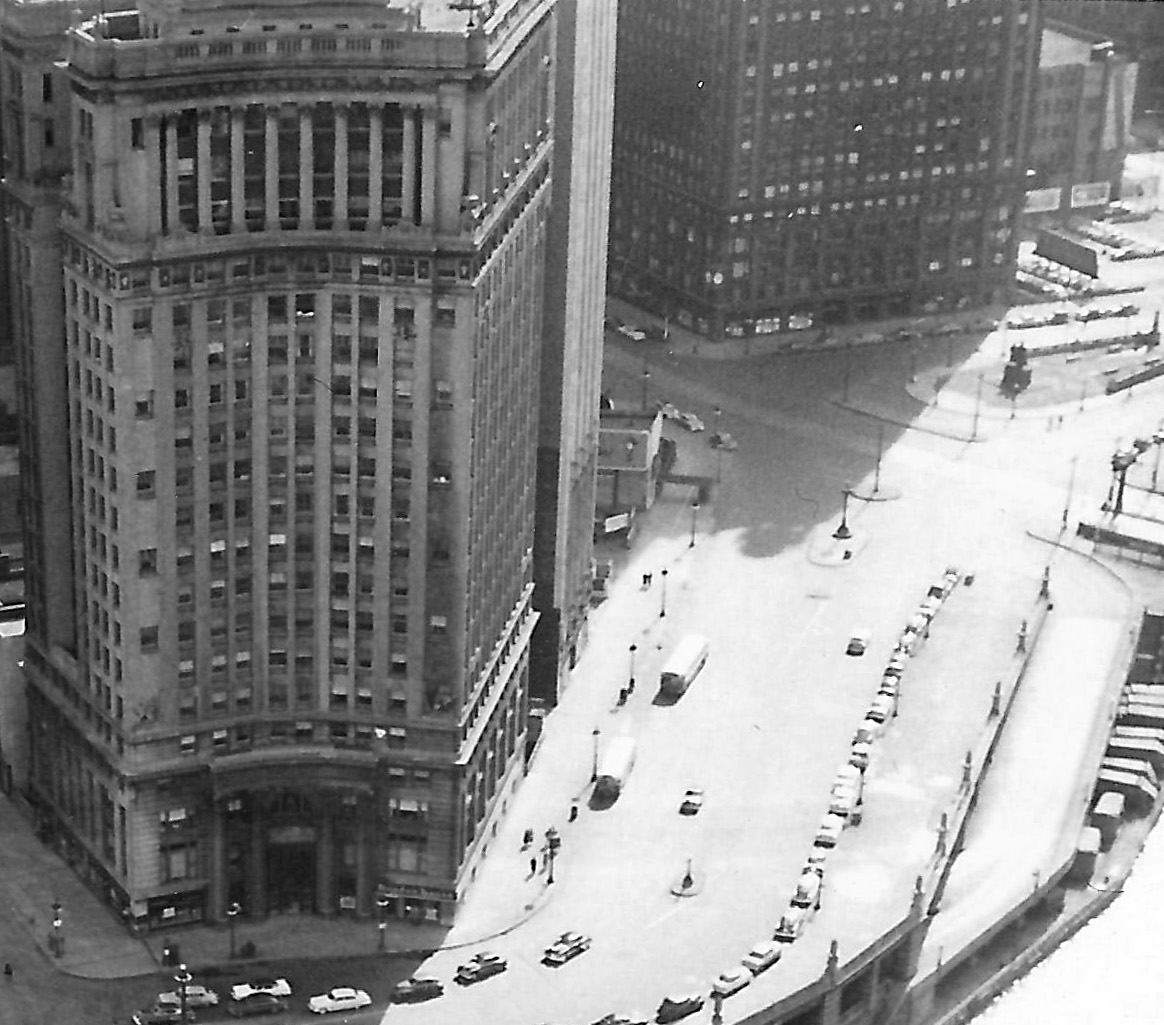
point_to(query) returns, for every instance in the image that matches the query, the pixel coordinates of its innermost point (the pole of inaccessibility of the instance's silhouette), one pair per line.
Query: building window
(149, 638)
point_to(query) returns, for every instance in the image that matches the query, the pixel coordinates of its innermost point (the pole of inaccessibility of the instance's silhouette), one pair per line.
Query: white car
(196, 996)
(829, 831)
(635, 334)
(690, 421)
(342, 998)
(731, 981)
(792, 924)
(762, 956)
(273, 987)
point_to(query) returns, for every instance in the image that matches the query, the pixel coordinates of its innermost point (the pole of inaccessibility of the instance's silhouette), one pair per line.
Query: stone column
(152, 124)
(306, 182)
(271, 184)
(341, 165)
(375, 164)
(205, 226)
(429, 182)
(171, 131)
(364, 903)
(256, 869)
(408, 168)
(216, 870)
(238, 221)
(325, 869)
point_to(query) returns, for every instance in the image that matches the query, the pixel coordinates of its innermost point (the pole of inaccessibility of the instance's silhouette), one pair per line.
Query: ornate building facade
(280, 443)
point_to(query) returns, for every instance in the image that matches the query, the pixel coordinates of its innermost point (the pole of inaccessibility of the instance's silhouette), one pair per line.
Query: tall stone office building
(572, 353)
(278, 359)
(783, 163)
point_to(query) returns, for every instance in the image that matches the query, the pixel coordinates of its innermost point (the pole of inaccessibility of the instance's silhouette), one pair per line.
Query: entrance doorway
(291, 868)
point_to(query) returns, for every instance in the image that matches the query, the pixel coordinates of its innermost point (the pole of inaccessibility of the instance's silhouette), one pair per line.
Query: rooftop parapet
(167, 37)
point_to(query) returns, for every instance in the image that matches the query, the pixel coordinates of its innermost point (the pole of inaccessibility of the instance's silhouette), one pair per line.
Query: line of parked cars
(261, 996)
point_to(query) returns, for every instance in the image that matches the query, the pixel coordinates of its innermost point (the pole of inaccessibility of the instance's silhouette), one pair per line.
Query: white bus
(684, 664)
(614, 767)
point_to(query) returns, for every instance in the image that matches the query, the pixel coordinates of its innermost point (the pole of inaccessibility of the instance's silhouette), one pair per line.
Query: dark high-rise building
(780, 163)
(278, 286)
(572, 339)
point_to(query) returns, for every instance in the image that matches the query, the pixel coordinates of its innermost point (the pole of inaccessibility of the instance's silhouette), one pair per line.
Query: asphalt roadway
(766, 725)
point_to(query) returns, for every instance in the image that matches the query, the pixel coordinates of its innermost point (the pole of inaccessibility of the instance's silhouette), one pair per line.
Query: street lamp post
(58, 940)
(232, 913)
(880, 447)
(594, 771)
(630, 687)
(646, 378)
(382, 902)
(663, 606)
(843, 533)
(1157, 437)
(977, 404)
(553, 842)
(718, 447)
(695, 513)
(183, 978)
(1070, 489)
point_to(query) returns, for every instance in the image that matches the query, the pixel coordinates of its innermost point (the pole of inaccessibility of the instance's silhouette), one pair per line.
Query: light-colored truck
(683, 666)
(614, 766)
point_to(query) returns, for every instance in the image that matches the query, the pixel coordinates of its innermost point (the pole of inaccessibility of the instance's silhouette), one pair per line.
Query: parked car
(724, 441)
(791, 924)
(882, 708)
(808, 888)
(196, 996)
(690, 421)
(691, 803)
(274, 987)
(255, 1004)
(669, 410)
(342, 998)
(762, 956)
(829, 831)
(731, 981)
(635, 334)
(416, 988)
(480, 966)
(676, 1007)
(161, 1016)
(565, 948)
(859, 754)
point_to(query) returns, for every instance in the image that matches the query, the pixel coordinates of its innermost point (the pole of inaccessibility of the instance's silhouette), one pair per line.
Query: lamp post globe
(183, 978)
(232, 913)
(382, 902)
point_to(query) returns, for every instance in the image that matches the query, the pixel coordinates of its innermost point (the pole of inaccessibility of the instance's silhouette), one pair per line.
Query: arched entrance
(291, 850)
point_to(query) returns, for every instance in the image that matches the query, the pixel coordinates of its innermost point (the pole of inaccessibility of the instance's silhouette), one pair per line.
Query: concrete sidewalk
(32, 878)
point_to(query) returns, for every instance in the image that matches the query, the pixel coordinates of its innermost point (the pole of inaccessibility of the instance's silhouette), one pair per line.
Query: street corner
(826, 549)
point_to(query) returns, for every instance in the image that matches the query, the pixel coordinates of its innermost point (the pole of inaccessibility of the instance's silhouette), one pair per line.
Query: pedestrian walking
(533, 866)
(573, 810)
(527, 839)
(7, 970)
